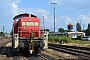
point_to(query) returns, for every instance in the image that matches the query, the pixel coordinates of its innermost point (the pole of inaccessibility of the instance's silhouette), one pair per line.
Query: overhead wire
(75, 10)
(79, 8)
(65, 4)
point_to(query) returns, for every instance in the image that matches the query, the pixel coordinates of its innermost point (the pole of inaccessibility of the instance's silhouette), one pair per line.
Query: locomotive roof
(24, 14)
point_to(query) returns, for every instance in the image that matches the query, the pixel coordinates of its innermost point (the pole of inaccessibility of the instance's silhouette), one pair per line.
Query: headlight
(31, 41)
(21, 44)
(16, 37)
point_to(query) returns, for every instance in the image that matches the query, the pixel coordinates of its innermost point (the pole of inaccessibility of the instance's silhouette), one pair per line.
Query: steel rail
(74, 47)
(23, 58)
(70, 50)
(42, 57)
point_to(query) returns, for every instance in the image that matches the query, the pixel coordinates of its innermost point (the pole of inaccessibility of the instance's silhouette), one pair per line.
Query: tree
(1, 33)
(87, 31)
(78, 26)
(61, 30)
(88, 26)
(68, 31)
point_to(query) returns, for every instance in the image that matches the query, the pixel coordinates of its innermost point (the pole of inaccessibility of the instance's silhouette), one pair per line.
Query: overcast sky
(67, 11)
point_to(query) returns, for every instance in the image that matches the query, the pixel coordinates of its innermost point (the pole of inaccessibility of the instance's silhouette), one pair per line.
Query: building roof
(70, 24)
(67, 32)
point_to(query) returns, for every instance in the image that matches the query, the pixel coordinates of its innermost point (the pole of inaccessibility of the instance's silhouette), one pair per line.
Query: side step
(15, 49)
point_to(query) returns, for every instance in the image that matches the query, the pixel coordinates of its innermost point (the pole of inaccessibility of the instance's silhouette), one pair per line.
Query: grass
(80, 42)
(67, 40)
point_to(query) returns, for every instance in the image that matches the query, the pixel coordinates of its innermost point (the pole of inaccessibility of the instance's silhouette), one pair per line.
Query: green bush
(79, 37)
(65, 39)
(56, 38)
(50, 37)
(59, 38)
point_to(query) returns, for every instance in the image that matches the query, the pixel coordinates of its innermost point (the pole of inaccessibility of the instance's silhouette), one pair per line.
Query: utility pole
(54, 18)
(80, 24)
(43, 26)
(43, 23)
(3, 29)
(6, 31)
(83, 27)
(80, 21)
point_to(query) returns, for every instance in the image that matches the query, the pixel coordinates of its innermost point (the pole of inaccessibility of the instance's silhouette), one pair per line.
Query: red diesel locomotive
(26, 34)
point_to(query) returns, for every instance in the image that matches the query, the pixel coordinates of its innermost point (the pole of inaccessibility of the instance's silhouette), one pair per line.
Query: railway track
(4, 41)
(37, 57)
(6, 50)
(23, 58)
(42, 57)
(81, 52)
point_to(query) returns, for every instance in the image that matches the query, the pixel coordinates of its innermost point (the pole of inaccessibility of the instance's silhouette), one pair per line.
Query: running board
(15, 49)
